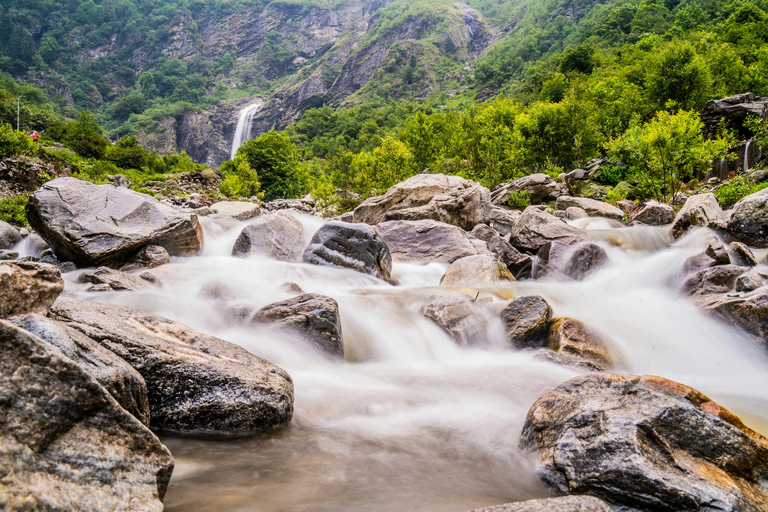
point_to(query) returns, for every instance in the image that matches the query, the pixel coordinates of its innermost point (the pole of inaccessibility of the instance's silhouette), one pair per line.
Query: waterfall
(746, 157)
(723, 168)
(243, 131)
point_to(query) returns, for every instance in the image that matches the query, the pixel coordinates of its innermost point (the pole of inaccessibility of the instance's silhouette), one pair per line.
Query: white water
(746, 157)
(411, 421)
(243, 130)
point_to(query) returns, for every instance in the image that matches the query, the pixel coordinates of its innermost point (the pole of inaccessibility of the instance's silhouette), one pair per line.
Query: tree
(681, 76)
(84, 136)
(580, 59)
(127, 153)
(239, 179)
(274, 158)
(649, 17)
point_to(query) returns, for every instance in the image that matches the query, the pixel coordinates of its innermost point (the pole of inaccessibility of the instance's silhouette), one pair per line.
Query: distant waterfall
(243, 131)
(723, 169)
(746, 157)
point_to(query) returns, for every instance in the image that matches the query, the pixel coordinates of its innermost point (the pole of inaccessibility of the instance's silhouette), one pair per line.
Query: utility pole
(18, 111)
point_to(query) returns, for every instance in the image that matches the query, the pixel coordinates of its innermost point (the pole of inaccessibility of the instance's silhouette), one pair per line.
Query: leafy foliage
(12, 210)
(738, 188)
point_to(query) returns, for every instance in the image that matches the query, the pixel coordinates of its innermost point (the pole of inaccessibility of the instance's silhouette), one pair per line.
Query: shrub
(738, 188)
(12, 210)
(15, 142)
(519, 200)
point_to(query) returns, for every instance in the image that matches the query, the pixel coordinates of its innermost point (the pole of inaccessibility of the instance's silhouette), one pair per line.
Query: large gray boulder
(240, 210)
(480, 269)
(646, 443)
(195, 382)
(563, 504)
(655, 214)
(346, 245)
(719, 279)
(698, 210)
(715, 254)
(733, 111)
(28, 287)
(503, 220)
(462, 318)
(103, 225)
(593, 207)
(66, 443)
(749, 222)
(449, 199)
(150, 256)
(535, 228)
(538, 186)
(424, 241)
(569, 261)
(518, 263)
(9, 236)
(526, 320)
(278, 236)
(105, 279)
(749, 313)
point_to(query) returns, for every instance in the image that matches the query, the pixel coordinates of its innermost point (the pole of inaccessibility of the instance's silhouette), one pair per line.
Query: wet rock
(574, 212)
(119, 180)
(585, 259)
(9, 236)
(124, 383)
(551, 260)
(502, 220)
(63, 266)
(67, 444)
(733, 111)
(449, 199)
(278, 236)
(102, 225)
(480, 269)
(563, 504)
(313, 316)
(536, 228)
(749, 221)
(240, 210)
(593, 207)
(8, 255)
(28, 287)
(571, 337)
(718, 279)
(655, 214)
(584, 365)
(355, 246)
(538, 186)
(150, 256)
(424, 241)
(557, 260)
(741, 255)
(715, 254)
(526, 320)
(458, 317)
(291, 287)
(698, 210)
(519, 264)
(646, 443)
(36, 244)
(107, 279)
(748, 282)
(749, 313)
(195, 382)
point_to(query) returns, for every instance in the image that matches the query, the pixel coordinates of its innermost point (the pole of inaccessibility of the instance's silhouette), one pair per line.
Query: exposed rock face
(741, 255)
(346, 245)
(240, 210)
(119, 180)
(527, 321)
(537, 185)
(503, 221)
(749, 222)
(519, 264)
(749, 313)
(102, 225)
(278, 236)
(19, 177)
(124, 383)
(67, 444)
(150, 256)
(195, 382)
(718, 279)
(572, 338)
(574, 212)
(551, 260)
(424, 241)
(105, 279)
(584, 259)
(9, 235)
(480, 269)
(449, 199)
(655, 214)
(593, 207)
(536, 228)
(698, 210)
(734, 109)
(563, 504)
(646, 443)
(28, 287)
(313, 316)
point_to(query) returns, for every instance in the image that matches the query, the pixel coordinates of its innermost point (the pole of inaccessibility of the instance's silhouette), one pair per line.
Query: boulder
(313, 316)
(655, 214)
(698, 210)
(646, 443)
(9, 236)
(278, 236)
(105, 279)
(103, 225)
(748, 313)
(719, 279)
(480, 269)
(458, 317)
(740, 254)
(66, 443)
(536, 228)
(346, 245)
(8, 255)
(119, 180)
(558, 260)
(124, 383)
(715, 254)
(551, 260)
(150, 256)
(574, 212)
(584, 259)
(28, 287)
(749, 221)
(240, 210)
(526, 320)
(502, 220)
(593, 207)
(733, 111)
(563, 504)
(424, 241)
(538, 186)
(748, 282)
(572, 338)
(519, 264)
(195, 382)
(449, 199)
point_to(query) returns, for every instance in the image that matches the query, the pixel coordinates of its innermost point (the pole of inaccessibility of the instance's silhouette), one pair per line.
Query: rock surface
(355, 246)
(538, 185)
(698, 210)
(458, 317)
(536, 228)
(313, 316)
(526, 320)
(480, 269)
(749, 313)
(563, 504)
(572, 338)
(718, 279)
(715, 254)
(593, 207)
(278, 236)
(424, 241)
(748, 282)
(9, 236)
(646, 443)
(66, 443)
(150, 256)
(102, 225)
(519, 264)
(585, 259)
(502, 220)
(733, 110)
(106, 279)
(195, 382)
(655, 214)
(240, 210)
(28, 287)
(749, 222)
(741, 255)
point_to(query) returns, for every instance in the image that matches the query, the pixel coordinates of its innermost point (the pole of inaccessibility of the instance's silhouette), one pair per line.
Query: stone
(571, 337)
(195, 382)
(655, 214)
(119, 180)
(538, 186)
(346, 245)
(66, 443)
(8, 255)
(103, 225)
(9, 236)
(36, 244)
(150, 256)
(733, 111)
(715, 254)
(502, 220)
(519, 264)
(562, 504)
(646, 443)
(748, 282)
(741, 255)
(574, 212)
(480, 269)
(561, 261)
(583, 365)
(526, 320)
(240, 210)
(449, 199)
(551, 260)
(698, 210)
(458, 317)
(28, 287)
(749, 221)
(278, 236)
(108, 279)
(593, 207)
(425, 241)
(124, 383)
(584, 259)
(536, 228)
(749, 313)
(719, 279)
(313, 316)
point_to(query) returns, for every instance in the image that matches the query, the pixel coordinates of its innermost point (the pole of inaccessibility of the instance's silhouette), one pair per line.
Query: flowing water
(243, 130)
(746, 157)
(410, 420)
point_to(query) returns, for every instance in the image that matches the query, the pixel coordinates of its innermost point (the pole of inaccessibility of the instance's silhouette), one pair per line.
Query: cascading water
(746, 157)
(723, 168)
(243, 130)
(410, 420)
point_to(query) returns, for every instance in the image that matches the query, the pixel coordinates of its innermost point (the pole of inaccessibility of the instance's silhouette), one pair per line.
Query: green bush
(239, 179)
(15, 142)
(741, 186)
(12, 210)
(519, 200)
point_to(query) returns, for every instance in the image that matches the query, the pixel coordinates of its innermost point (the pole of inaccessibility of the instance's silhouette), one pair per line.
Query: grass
(12, 210)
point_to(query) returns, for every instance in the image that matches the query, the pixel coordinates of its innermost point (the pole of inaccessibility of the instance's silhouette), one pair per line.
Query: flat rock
(526, 320)
(346, 245)
(536, 228)
(66, 443)
(424, 241)
(537, 185)
(749, 221)
(9, 236)
(28, 287)
(719, 279)
(563, 504)
(240, 210)
(103, 225)
(480, 269)
(195, 382)
(519, 264)
(572, 338)
(593, 207)
(150, 256)
(108, 279)
(698, 210)
(655, 214)
(278, 236)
